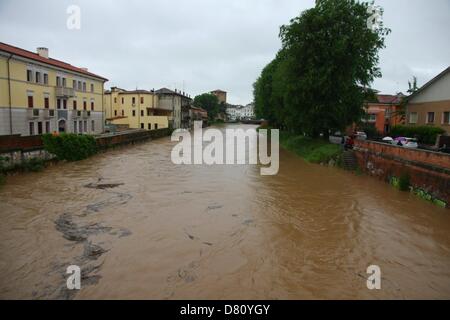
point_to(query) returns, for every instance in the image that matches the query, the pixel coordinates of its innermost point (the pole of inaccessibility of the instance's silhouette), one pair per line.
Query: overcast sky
(202, 45)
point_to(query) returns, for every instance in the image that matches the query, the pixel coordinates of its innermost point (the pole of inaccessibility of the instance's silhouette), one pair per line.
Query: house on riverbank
(39, 94)
(430, 105)
(384, 112)
(135, 109)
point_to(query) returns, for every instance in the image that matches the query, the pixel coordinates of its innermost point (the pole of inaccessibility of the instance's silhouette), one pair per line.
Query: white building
(238, 112)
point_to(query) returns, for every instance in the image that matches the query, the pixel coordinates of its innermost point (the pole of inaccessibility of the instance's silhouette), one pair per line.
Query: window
(58, 103)
(74, 104)
(413, 117)
(122, 100)
(115, 100)
(58, 81)
(29, 75)
(64, 103)
(92, 87)
(45, 78)
(85, 126)
(92, 105)
(446, 118)
(80, 127)
(31, 126)
(134, 100)
(142, 113)
(430, 117)
(38, 77)
(39, 127)
(64, 82)
(156, 126)
(115, 113)
(30, 102)
(123, 113)
(148, 112)
(142, 99)
(47, 126)
(134, 113)
(75, 126)
(74, 84)
(142, 126)
(92, 125)
(79, 85)
(84, 86)
(46, 102)
(149, 126)
(84, 105)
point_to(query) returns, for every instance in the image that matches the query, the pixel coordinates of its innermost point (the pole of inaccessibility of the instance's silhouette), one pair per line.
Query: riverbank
(28, 154)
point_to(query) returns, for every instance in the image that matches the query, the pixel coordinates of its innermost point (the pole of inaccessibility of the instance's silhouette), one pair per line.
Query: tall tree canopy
(317, 81)
(209, 102)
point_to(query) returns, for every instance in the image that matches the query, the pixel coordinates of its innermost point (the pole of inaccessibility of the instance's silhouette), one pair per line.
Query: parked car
(410, 143)
(360, 135)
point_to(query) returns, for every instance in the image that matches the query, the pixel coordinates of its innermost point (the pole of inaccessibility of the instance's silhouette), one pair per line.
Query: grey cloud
(208, 44)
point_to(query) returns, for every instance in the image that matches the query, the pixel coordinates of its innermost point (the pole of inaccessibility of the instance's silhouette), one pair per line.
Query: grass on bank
(311, 150)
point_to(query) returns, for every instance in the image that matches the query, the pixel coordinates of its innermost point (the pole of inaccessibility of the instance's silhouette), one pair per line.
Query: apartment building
(135, 109)
(430, 105)
(173, 101)
(39, 94)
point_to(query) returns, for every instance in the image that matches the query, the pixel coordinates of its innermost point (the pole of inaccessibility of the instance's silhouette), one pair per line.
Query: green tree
(328, 56)
(209, 102)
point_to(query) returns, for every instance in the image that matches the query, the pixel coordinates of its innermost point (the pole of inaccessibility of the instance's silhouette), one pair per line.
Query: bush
(33, 165)
(69, 146)
(424, 134)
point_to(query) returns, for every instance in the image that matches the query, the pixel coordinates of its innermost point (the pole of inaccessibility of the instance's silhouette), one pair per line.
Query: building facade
(221, 95)
(384, 112)
(40, 95)
(238, 112)
(173, 102)
(430, 105)
(135, 109)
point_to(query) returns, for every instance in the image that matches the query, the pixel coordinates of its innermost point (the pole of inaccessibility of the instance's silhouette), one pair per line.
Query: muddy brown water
(154, 230)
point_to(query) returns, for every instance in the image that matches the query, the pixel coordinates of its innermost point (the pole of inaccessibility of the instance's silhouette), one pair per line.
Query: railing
(65, 92)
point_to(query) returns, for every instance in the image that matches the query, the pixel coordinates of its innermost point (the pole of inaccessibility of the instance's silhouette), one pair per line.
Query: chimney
(42, 52)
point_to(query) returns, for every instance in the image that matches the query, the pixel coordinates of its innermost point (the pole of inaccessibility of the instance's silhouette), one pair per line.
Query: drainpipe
(9, 97)
(103, 108)
(139, 110)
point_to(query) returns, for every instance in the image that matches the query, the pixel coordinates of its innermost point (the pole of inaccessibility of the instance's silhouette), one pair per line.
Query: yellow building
(40, 95)
(137, 109)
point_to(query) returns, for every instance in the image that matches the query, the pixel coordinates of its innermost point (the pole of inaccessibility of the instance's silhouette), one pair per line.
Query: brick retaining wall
(429, 171)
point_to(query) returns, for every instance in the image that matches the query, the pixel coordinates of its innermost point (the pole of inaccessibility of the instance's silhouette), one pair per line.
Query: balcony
(49, 113)
(62, 92)
(76, 114)
(33, 113)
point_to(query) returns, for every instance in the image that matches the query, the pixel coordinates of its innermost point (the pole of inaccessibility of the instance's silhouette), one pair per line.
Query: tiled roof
(388, 99)
(56, 63)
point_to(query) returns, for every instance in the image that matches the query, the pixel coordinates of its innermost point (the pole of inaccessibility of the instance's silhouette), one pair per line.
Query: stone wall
(428, 171)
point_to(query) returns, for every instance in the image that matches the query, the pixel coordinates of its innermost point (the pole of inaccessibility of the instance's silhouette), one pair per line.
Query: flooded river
(141, 227)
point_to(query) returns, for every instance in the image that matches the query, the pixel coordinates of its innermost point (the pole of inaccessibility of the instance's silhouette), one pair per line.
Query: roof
(389, 99)
(218, 90)
(53, 62)
(171, 92)
(429, 83)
